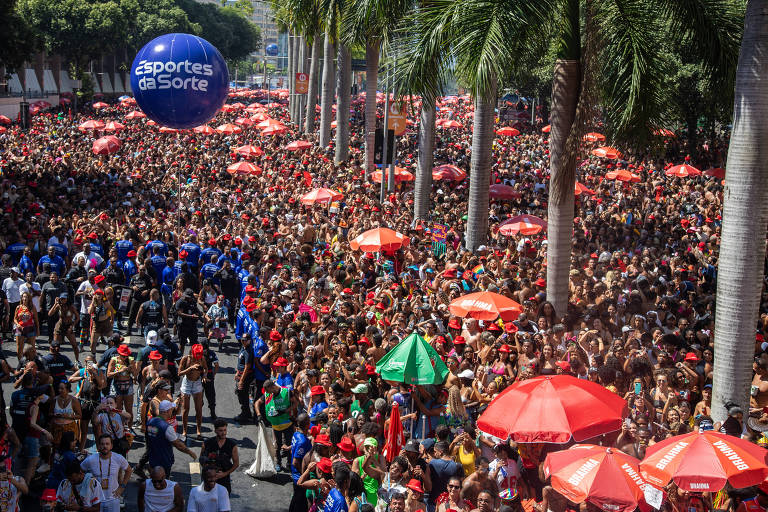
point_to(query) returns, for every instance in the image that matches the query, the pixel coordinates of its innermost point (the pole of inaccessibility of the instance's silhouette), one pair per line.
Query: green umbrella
(413, 361)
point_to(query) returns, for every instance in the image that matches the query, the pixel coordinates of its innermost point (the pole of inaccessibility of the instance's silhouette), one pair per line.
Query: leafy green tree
(226, 28)
(17, 42)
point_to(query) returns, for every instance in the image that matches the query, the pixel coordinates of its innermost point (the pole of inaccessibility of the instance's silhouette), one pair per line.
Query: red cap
(250, 288)
(183, 254)
(250, 307)
(370, 370)
(212, 241)
(450, 273)
(131, 254)
(564, 365)
(325, 465)
(540, 282)
(510, 327)
(49, 495)
(454, 324)
(281, 361)
(690, 356)
(415, 486)
(364, 340)
(347, 290)
(99, 278)
(124, 350)
(196, 351)
(93, 236)
(275, 335)
(98, 291)
(346, 444)
(459, 340)
(155, 355)
(317, 390)
(494, 327)
(505, 348)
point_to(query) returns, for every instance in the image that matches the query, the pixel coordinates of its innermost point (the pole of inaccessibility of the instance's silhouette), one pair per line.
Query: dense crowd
(158, 243)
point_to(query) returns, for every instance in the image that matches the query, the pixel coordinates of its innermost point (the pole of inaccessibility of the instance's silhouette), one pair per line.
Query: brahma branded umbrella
(379, 239)
(485, 306)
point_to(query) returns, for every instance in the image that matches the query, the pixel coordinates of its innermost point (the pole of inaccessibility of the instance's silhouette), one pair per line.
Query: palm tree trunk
(423, 187)
(309, 122)
(292, 77)
(480, 168)
(343, 85)
(371, 80)
(326, 100)
(745, 215)
(565, 95)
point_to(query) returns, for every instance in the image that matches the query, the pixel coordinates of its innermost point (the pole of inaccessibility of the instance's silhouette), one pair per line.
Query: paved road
(248, 494)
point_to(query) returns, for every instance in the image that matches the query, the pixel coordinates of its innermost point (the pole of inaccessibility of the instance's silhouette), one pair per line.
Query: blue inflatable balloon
(179, 80)
(271, 50)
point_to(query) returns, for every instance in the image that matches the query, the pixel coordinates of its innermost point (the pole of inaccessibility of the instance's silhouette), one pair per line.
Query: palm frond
(631, 71)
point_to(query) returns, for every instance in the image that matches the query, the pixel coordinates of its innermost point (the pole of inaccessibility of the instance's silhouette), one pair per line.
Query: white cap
(152, 338)
(166, 405)
(467, 374)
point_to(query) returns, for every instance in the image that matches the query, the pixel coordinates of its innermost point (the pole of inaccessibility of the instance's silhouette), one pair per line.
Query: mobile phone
(638, 388)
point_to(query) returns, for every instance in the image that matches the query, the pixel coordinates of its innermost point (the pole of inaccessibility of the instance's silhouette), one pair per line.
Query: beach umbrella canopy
(5, 120)
(106, 145)
(298, 145)
(546, 129)
(715, 172)
(248, 150)
(448, 172)
(606, 477)
(606, 152)
(244, 121)
(321, 196)
(594, 137)
(400, 175)
(228, 128)
(204, 129)
(682, 171)
(99, 105)
(522, 224)
(553, 409)
(704, 461)
(622, 175)
(379, 239)
(451, 124)
(508, 131)
(580, 189)
(413, 361)
(114, 126)
(274, 130)
(136, 114)
(485, 306)
(503, 192)
(243, 168)
(91, 125)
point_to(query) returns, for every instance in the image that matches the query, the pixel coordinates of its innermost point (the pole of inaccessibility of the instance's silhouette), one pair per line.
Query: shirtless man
(192, 368)
(527, 357)
(704, 407)
(479, 481)
(472, 333)
(759, 388)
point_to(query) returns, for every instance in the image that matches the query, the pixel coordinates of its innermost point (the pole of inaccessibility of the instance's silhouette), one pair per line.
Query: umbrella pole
(411, 411)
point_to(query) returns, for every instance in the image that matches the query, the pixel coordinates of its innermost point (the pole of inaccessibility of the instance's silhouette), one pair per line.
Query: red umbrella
(553, 409)
(606, 152)
(5, 120)
(594, 137)
(259, 117)
(227, 108)
(114, 126)
(508, 131)
(237, 105)
(379, 239)
(40, 104)
(504, 192)
(3, 129)
(523, 224)
(248, 150)
(274, 130)
(485, 306)
(622, 175)
(243, 121)
(64, 101)
(298, 145)
(270, 123)
(682, 171)
(106, 145)
(716, 172)
(400, 175)
(99, 104)
(204, 129)
(136, 114)
(580, 189)
(546, 129)
(704, 462)
(320, 195)
(451, 124)
(395, 438)
(605, 477)
(91, 125)
(448, 172)
(228, 128)
(168, 129)
(243, 168)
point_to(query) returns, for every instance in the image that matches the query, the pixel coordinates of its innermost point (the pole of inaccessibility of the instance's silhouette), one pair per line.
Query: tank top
(152, 314)
(370, 484)
(467, 460)
(158, 499)
(59, 410)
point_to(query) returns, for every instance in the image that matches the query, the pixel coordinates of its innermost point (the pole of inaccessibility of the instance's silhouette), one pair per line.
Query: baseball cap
(166, 405)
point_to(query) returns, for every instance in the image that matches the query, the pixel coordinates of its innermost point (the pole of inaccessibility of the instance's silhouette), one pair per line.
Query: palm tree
(369, 23)
(343, 85)
(745, 213)
(331, 10)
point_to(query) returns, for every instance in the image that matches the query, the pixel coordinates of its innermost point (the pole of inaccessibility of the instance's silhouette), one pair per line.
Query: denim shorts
(31, 447)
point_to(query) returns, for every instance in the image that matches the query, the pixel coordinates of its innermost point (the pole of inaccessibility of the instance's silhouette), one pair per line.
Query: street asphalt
(248, 494)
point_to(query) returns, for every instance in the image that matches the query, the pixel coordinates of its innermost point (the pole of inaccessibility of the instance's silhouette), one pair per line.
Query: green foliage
(226, 28)
(17, 43)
